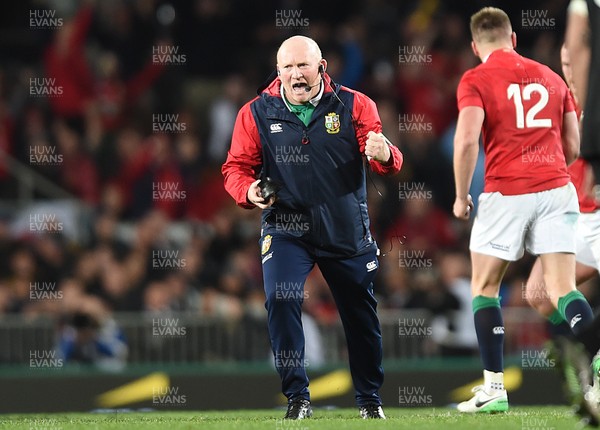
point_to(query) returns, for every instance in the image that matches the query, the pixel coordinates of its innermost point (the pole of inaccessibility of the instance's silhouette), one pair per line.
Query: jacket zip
(305, 140)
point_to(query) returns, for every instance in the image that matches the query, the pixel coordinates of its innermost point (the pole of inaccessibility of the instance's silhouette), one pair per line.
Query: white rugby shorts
(587, 239)
(541, 223)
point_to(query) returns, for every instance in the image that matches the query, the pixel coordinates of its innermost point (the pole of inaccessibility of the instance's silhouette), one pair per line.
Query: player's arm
(570, 137)
(466, 149)
(244, 160)
(577, 42)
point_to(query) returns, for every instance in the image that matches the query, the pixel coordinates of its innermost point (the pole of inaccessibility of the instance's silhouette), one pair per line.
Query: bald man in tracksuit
(298, 133)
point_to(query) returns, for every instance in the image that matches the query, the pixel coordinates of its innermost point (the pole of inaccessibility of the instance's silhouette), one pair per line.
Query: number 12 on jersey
(529, 120)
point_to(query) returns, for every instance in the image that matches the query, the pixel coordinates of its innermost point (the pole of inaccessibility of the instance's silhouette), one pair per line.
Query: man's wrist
(390, 158)
(250, 202)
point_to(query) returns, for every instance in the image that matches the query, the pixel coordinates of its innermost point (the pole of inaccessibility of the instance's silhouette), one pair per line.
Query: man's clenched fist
(377, 148)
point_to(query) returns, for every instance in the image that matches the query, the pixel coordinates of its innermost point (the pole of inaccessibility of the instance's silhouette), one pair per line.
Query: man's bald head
(301, 43)
(299, 66)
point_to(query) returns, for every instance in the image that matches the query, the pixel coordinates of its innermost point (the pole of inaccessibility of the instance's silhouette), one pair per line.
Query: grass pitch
(518, 418)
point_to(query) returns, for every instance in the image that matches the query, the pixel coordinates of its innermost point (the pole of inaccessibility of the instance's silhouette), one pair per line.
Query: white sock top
(493, 381)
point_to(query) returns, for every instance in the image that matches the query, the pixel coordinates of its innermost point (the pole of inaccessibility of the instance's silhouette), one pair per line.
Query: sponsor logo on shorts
(371, 265)
(498, 330)
(500, 247)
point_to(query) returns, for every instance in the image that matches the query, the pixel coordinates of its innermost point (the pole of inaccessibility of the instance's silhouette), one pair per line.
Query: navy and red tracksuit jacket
(324, 199)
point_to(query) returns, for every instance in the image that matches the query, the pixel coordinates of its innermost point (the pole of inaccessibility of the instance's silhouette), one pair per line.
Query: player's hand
(463, 207)
(376, 147)
(254, 196)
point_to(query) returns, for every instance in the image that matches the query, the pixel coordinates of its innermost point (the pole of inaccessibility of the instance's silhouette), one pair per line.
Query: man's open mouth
(299, 86)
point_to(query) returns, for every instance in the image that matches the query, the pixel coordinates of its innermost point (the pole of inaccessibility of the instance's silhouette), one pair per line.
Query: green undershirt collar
(303, 112)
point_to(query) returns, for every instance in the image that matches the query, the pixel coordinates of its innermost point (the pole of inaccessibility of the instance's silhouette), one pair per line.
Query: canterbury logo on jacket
(321, 167)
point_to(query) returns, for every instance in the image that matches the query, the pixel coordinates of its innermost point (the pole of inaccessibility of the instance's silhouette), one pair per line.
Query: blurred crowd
(129, 106)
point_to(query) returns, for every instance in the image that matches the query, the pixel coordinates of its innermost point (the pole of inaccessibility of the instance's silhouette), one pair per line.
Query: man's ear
(474, 48)
(513, 37)
(322, 65)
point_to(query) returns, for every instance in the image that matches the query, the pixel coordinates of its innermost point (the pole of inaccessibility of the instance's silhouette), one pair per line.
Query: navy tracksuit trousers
(286, 265)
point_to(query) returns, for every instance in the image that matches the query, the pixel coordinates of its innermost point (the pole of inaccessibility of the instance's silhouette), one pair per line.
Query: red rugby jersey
(524, 103)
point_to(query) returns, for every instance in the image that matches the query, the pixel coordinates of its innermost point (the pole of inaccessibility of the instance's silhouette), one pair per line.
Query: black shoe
(371, 411)
(574, 365)
(298, 409)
